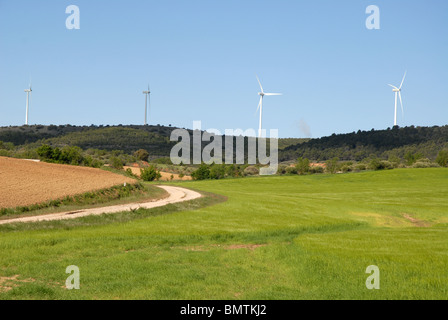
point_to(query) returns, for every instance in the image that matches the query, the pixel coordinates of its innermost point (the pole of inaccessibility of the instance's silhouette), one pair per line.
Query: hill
(356, 146)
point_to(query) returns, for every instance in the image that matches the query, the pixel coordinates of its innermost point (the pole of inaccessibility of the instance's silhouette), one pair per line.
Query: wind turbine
(398, 94)
(28, 98)
(146, 93)
(260, 104)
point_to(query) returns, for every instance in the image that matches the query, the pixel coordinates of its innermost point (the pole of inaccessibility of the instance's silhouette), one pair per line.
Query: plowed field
(24, 182)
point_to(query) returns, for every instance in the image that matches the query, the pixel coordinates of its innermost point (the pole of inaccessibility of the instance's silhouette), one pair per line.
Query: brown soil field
(26, 182)
(166, 176)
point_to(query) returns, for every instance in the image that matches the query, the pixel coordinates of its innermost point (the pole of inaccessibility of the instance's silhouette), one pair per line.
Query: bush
(396, 161)
(141, 155)
(150, 174)
(442, 158)
(202, 173)
(116, 163)
(360, 166)
(251, 171)
(6, 145)
(164, 160)
(376, 164)
(70, 155)
(424, 163)
(217, 171)
(281, 169)
(411, 158)
(316, 169)
(233, 170)
(333, 165)
(45, 152)
(291, 170)
(303, 165)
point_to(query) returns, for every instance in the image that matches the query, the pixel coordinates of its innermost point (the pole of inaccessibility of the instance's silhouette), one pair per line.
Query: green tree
(412, 158)
(45, 152)
(442, 158)
(72, 155)
(395, 160)
(303, 165)
(333, 165)
(217, 171)
(202, 173)
(116, 163)
(150, 174)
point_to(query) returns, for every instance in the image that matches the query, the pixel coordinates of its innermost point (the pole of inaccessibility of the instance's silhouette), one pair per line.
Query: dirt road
(176, 194)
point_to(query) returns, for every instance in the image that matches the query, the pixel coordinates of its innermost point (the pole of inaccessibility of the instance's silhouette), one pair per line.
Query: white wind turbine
(398, 95)
(260, 104)
(28, 98)
(147, 94)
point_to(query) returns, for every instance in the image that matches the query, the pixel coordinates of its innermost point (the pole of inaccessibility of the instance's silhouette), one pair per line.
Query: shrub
(291, 170)
(6, 145)
(303, 165)
(281, 169)
(4, 153)
(71, 155)
(395, 161)
(150, 174)
(376, 164)
(164, 160)
(116, 163)
(45, 152)
(316, 169)
(411, 158)
(141, 155)
(360, 166)
(202, 173)
(424, 163)
(217, 171)
(333, 165)
(442, 158)
(251, 171)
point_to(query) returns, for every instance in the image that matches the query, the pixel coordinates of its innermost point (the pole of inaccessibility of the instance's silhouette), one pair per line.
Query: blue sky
(201, 56)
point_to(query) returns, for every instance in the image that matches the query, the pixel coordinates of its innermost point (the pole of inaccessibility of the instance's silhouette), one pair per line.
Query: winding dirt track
(176, 194)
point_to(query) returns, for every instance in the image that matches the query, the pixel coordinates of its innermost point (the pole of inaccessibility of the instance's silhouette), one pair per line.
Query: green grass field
(288, 237)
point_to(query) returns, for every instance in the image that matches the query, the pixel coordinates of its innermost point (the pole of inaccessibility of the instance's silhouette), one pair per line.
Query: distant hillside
(396, 142)
(427, 141)
(155, 139)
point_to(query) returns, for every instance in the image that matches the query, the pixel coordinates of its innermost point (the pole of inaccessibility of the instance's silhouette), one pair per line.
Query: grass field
(289, 237)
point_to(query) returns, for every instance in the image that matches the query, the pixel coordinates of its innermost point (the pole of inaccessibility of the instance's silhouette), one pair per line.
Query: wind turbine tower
(28, 98)
(147, 94)
(398, 95)
(260, 105)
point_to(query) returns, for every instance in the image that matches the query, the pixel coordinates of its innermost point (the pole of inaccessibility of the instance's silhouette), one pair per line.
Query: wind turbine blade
(393, 86)
(260, 84)
(403, 79)
(273, 94)
(259, 104)
(401, 103)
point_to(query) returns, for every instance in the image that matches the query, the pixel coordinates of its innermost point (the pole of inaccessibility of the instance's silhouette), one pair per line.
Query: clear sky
(201, 56)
